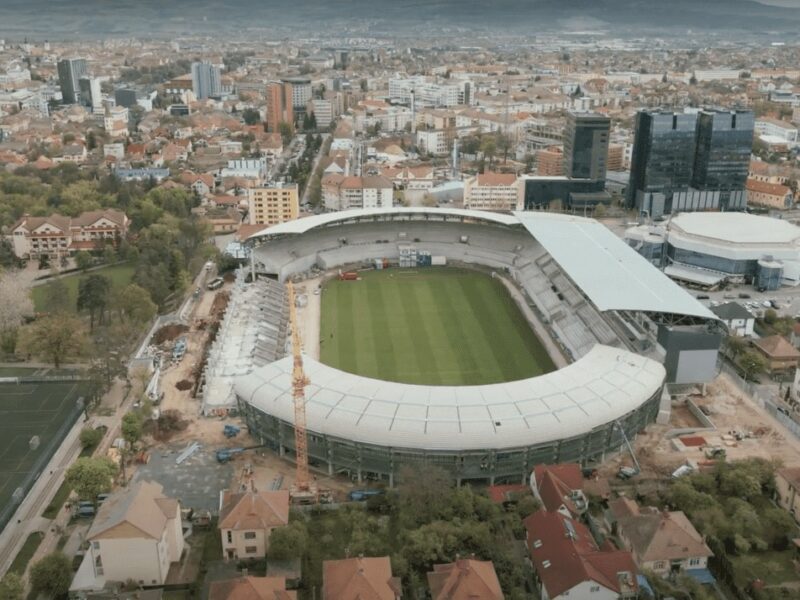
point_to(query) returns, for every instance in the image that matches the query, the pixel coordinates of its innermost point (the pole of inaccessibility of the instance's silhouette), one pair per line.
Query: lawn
(774, 567)
(120, 275)
(26, 410)
(26, 553)
(435, 326)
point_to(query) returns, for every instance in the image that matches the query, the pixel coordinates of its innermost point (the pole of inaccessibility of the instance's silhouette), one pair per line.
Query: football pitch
(28, 409)
(430, 326)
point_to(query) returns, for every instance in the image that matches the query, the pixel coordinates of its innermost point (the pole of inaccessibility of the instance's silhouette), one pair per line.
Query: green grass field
(44, 409)
(120, 276)
(435, 326)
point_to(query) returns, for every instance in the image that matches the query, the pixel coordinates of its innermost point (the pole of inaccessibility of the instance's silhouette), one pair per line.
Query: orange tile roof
(254, 510)
(465, 579)
(496, 179)
(359, 579)
(251, 588)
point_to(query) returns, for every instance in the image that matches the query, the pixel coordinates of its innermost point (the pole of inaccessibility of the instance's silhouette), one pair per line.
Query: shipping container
(438, 261)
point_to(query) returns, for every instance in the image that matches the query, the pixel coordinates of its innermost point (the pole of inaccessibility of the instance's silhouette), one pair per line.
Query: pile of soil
(220, 304)
(168, 424)
(183, 385)
(168, 333)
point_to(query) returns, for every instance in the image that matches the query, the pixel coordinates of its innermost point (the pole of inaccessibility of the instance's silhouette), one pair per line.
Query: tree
(83, 260)
(132, 427)
(55, 297)
(770, 316)
(11, 587)
(251, 116)
(752, 364)
(288, 542)
(424, 492)
(734, 346)
(52, 575)
(93, 296)
(90, 437)
(54, 338)
(134, 304)
(15, 303)
(489, 149)
(91, 476)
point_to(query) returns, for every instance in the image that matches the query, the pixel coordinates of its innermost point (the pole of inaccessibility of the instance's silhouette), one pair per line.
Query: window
(594, 589)
(693, 562)
(537, 543)
(96, 545)
(545, 563)
(249, 535)
(250, 549)
(230, 537)
(658, 564)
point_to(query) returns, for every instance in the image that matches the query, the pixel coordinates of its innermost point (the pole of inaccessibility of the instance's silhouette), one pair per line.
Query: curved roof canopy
(604, 385)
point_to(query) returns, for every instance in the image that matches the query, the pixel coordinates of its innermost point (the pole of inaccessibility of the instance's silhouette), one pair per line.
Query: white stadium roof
(307, 223)
(611, 273)
(604, 385)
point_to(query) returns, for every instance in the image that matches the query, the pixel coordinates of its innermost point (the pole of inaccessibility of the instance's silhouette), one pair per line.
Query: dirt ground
(742, 428)
(310, 315)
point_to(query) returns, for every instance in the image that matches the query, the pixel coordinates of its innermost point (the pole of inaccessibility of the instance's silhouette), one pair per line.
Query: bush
(90, 437)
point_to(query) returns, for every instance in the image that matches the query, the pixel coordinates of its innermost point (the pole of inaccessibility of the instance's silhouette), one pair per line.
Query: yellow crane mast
(303, 490)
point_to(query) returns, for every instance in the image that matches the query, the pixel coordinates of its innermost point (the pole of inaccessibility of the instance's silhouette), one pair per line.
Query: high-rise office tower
(690, 161)
(280, 105)
(206, 80)
(722, 155)
(70, 70)
(662, 160)
(91, 95)
(586, 145)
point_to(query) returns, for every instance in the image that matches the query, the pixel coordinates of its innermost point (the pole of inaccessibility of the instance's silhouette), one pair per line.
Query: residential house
(787, 490)
(736, 317)
(251, 588)
(664, 542)
(560, 488)
(273, 203)
(116, 149)
(344, 192)
(246, 521)
(74, 153)
(360, 578)
(57, 236)
(465, 579)
(136, 536)
(420, 178)
(569, 565)
(780, 354)
(492, 191)
(201, 184)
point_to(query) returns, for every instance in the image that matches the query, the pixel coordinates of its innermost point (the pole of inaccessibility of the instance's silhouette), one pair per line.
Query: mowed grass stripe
(463, 347)
(437, 326)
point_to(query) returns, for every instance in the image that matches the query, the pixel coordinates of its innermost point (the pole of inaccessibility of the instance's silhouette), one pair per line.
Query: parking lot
(786, 301)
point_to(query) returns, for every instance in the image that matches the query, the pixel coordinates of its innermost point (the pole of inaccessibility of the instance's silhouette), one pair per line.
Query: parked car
(215, 283)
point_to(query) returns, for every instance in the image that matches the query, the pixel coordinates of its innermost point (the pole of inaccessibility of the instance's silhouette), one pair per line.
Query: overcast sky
(789, 3)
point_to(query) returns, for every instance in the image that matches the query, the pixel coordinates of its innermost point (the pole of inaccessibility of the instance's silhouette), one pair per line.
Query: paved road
(317, 158)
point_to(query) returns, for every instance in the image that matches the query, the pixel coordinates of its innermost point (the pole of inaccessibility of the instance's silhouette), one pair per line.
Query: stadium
(614, 330)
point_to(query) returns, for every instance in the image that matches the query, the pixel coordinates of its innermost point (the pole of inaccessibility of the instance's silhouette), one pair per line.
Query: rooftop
(736, 227)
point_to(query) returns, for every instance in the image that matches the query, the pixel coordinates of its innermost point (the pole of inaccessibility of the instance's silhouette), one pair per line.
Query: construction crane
(304, 491)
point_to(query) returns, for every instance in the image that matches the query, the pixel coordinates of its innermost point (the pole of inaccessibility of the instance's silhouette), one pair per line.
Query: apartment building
(341, 192)
(56, 235)
(273, 203)
(492, 191)
(770, 128)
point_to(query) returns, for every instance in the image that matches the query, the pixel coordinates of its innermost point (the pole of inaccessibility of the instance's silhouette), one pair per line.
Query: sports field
(44, 409)
(434, 326)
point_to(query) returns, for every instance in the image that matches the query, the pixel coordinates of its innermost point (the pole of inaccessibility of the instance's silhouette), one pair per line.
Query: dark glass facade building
(70, 71)
(586, 145)
(690, 161)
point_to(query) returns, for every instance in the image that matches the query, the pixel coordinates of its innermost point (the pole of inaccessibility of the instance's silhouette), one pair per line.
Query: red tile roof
(465, 579)
(556, 483)
(564, 554)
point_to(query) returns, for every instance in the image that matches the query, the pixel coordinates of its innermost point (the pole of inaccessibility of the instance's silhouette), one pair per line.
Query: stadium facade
(608, 310)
